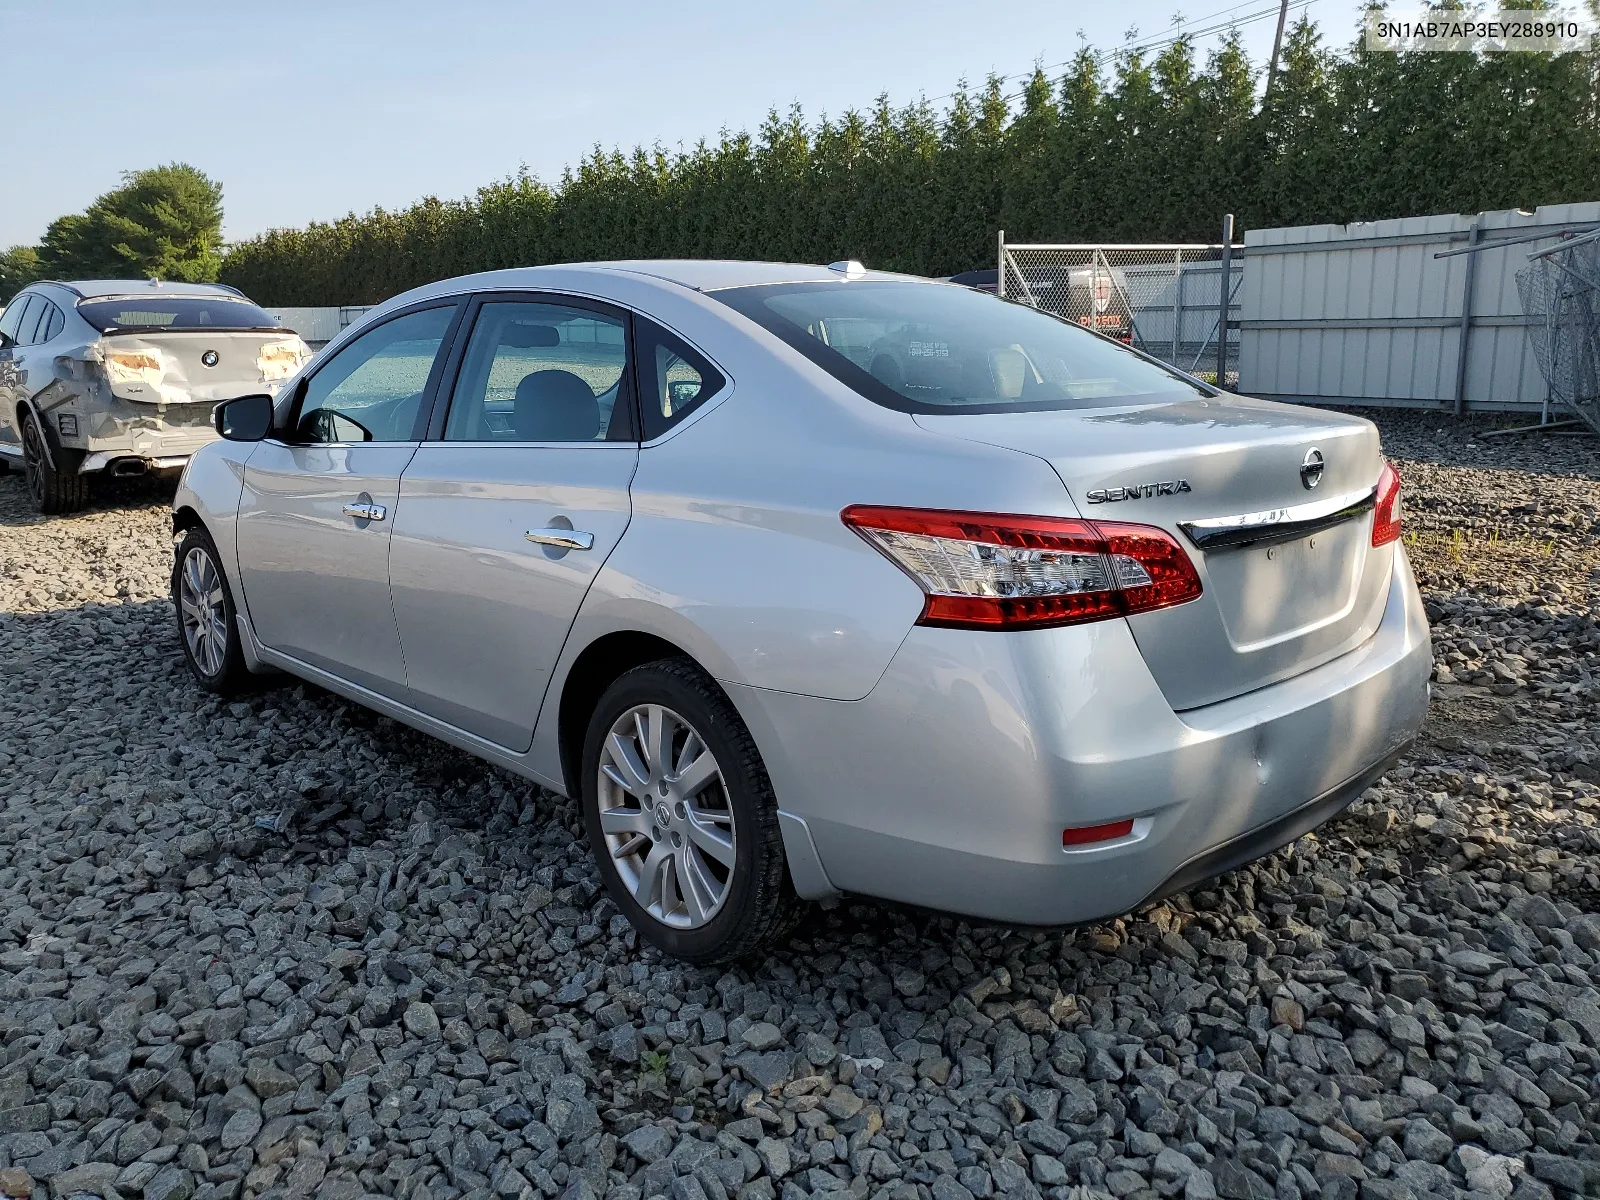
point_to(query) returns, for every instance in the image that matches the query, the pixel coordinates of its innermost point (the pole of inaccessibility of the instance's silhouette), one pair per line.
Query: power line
(1199, 28)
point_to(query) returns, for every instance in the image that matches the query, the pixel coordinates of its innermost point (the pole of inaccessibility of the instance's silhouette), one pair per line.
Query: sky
(310, 110)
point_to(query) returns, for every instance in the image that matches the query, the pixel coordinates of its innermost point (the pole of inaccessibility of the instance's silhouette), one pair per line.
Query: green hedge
(1151, 150)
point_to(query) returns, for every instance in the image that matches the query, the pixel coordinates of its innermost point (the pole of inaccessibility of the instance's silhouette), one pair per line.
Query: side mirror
(244, 418)
(683, 392)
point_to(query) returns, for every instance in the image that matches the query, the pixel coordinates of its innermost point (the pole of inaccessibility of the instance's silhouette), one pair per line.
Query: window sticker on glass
(928, 349)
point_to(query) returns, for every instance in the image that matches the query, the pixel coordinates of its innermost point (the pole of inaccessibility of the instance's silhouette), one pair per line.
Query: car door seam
(388, 569)
(577, 610)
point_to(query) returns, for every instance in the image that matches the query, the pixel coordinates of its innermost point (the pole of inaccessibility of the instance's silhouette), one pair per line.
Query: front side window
(372, 389)
(542, 372)
(154, 311)
(11, 323)
(942, 348)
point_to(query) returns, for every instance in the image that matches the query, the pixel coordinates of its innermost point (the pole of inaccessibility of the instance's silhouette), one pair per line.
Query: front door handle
(561, 539)
(366, 512)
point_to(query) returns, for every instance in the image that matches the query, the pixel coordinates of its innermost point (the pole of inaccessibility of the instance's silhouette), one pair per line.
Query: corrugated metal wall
(1365, 314)
(317, 326)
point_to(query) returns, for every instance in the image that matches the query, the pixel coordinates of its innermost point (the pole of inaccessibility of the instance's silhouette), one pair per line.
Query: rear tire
(689, 845)
(208, 628)
(54, 489)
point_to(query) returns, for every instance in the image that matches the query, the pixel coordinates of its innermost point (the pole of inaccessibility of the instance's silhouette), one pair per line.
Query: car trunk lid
(198, 366)
(1290, 577)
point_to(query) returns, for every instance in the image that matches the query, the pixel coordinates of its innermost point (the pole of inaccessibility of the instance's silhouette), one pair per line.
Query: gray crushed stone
(282, 947)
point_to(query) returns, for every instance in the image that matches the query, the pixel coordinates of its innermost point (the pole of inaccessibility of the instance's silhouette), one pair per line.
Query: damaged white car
(119, 377)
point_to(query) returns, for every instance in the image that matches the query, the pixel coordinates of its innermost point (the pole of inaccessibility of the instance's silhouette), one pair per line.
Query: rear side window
(156, 312)
(50, 324)
(674, 378)
(939, 348)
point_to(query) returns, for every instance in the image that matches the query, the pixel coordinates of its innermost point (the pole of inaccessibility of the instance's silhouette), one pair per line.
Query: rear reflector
(989, 571)
(1386, 510)
(1084, 834)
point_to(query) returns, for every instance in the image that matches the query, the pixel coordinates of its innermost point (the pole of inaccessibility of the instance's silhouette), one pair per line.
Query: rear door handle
(562, 539)
(366, 512)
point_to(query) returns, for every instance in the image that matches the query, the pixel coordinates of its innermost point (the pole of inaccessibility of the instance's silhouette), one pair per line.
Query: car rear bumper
(950, 784)
(154, 449)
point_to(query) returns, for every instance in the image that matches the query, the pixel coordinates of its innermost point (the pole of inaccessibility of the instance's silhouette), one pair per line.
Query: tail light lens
(1386, 512)
(988, 571)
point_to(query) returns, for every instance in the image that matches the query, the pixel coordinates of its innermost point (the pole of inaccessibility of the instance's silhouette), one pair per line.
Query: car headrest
(555, 406)
(1008, 370)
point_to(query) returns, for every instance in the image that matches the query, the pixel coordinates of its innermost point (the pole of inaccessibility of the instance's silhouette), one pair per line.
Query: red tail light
(988, 571)
(1386, 512)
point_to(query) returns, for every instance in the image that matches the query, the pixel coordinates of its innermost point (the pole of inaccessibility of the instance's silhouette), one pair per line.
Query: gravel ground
(283, 947)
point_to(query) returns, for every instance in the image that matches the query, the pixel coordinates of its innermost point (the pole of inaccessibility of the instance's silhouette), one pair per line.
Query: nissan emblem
(1311, 468)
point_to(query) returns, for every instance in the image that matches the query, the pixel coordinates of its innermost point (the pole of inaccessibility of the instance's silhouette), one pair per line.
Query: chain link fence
(1163, 299)
(1560, 291)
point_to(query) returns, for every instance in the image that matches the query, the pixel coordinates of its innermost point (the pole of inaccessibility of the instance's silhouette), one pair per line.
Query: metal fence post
(1474, 236)
(1000, 277)
(1177, 305)
(1222, 310)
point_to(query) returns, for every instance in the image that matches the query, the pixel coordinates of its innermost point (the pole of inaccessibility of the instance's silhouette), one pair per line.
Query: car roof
(708, 275)
(89, 289)
(702, 275)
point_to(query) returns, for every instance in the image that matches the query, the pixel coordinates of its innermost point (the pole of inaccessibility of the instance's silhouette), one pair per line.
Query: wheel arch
(185, 518)
(596, 667)
(27, 408)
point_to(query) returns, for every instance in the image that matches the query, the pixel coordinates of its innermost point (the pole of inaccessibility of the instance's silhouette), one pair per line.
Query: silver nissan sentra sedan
(818, 580)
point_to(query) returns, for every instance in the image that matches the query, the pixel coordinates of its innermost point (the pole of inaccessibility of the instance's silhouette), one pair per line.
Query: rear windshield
(174, 312)
(928, 348)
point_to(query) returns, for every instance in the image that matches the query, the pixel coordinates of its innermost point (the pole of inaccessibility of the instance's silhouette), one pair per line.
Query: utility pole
(1277, 47)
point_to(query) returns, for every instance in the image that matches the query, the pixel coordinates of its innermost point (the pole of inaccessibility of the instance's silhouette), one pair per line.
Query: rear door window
(537, 371)
(36, 322)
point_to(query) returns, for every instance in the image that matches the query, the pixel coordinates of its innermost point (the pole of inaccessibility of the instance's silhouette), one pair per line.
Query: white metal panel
(1346, 312)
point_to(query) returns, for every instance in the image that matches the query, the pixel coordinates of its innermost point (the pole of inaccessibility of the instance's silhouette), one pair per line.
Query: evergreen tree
(165, 222)
(1137, 149)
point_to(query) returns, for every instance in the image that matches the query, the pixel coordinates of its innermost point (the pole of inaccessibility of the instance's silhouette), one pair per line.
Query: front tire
(681, 816)
(53, 491)
(207, 626)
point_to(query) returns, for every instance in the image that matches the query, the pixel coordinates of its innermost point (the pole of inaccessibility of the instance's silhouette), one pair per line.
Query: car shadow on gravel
(105, 496)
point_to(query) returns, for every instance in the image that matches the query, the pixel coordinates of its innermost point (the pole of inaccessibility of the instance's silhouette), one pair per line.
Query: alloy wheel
(665, 815)
(33, 460)
(205, 614)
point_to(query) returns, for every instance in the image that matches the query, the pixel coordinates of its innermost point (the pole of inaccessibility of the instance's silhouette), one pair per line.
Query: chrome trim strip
(1277, 524)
